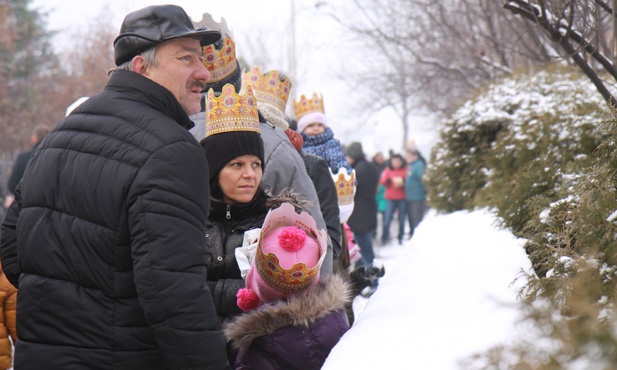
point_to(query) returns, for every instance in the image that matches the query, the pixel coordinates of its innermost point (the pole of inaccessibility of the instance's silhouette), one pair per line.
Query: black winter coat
(106, 238)
(223, 236)
(319, 172)
(364, 216)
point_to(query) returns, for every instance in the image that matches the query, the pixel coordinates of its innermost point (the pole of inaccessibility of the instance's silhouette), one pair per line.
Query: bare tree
(433, 53)
(579, 28)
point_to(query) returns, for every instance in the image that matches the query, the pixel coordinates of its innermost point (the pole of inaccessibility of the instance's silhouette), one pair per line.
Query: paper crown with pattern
(345, 185)
(220, 63)
(299, 276)
(231, 111)
(305, 106)
(271, 87)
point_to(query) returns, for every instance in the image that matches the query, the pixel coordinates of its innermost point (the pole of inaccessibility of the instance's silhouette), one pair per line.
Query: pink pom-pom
(247, 300)
(292, 239)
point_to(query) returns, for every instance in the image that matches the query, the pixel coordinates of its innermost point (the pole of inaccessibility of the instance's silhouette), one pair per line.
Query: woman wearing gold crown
(235, 153)
(285, 169)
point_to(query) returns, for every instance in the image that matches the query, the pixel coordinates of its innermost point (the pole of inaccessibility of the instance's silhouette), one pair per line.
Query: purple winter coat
(298, 333)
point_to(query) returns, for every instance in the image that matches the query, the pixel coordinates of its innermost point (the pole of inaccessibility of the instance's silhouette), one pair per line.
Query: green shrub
(551, 176)
(517, 140)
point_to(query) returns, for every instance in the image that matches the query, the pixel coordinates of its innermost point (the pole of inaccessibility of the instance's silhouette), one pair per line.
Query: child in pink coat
(293, 316)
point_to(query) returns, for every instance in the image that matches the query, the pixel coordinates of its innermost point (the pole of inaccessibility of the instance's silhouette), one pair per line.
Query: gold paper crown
(299, 276)
(231, 112)
(305, 106)
(345, 186)
(220, 63)
(272, 87)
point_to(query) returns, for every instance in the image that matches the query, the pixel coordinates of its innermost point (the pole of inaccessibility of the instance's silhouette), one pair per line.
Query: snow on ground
(448, 293)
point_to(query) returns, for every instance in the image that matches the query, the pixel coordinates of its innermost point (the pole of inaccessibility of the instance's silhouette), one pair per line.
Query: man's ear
(139, 65)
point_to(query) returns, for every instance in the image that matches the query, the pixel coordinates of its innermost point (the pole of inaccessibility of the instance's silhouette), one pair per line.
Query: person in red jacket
(393, 178)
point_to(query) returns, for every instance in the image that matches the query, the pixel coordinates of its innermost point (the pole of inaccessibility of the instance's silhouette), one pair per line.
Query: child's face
(314, 128)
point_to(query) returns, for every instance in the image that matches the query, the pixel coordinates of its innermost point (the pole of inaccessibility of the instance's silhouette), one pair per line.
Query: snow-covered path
(447, 293)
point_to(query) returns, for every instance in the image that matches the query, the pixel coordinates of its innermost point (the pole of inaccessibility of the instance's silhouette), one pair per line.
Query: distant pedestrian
(19, 166)
(414, 188)
(363, 220)
(393, 178)
(379, 161)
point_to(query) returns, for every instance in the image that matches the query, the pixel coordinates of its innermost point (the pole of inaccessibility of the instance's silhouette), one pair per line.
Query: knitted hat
(232, 128)
(272, 91)
(316, 117)
(288, 258)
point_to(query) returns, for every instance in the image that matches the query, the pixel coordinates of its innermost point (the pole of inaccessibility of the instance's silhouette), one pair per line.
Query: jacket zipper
(228, 212)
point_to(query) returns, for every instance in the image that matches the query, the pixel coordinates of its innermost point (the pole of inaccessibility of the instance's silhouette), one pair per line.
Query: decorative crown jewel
(220, 63)
(305, 106)
(299, 276)
(272, 87)
(345, 186)
(231, 112)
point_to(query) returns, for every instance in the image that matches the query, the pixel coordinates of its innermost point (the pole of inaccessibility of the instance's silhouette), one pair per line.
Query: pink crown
(231, 112)
(299, 276)
(305, 106)
(272, 87)
(345, 186)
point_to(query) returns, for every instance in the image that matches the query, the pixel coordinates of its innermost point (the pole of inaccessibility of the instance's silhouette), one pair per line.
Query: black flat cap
(144, 28)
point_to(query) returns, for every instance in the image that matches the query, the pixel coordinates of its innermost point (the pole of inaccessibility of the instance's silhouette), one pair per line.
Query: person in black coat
(105, 239)
(363, 220)
(19, 166)
(235, 152)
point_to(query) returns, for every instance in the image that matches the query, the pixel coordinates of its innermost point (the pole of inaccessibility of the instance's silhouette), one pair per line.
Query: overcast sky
(318, 52)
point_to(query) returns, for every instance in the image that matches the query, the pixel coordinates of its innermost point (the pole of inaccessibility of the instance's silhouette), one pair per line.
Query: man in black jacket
(363, 220)
(106, 235)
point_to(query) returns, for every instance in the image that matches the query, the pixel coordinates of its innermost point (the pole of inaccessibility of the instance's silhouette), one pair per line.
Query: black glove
(373, 273)
(364, 276)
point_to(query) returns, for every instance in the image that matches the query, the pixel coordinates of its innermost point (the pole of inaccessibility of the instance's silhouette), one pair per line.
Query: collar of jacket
(257, 206)
(146, 91)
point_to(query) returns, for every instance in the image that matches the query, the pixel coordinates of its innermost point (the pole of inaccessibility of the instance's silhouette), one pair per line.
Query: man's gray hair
(151, 57)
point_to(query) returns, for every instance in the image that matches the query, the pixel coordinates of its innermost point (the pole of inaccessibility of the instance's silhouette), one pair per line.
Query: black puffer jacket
(107, 234)
(223, 236)
(364, 216)
(319, 172)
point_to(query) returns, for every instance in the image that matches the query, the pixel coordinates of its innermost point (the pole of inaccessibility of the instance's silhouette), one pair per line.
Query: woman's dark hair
(397, 155)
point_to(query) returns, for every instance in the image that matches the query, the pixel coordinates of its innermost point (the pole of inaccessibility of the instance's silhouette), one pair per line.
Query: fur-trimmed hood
(329, 295)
